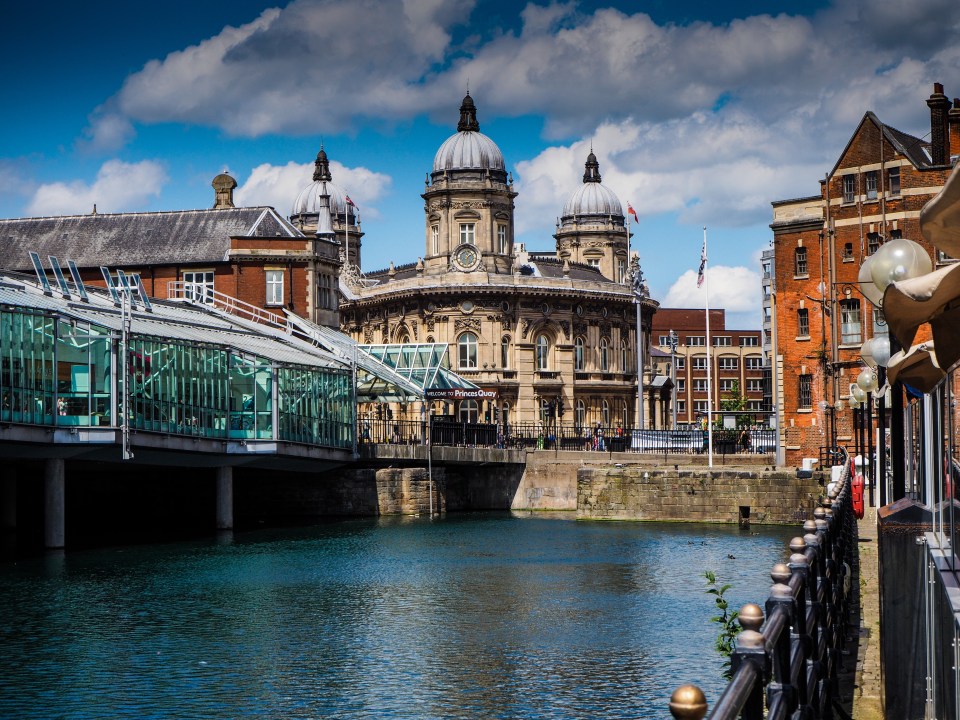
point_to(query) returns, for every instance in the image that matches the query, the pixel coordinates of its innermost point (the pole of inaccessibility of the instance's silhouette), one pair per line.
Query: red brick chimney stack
(954, 121)
(939, 104)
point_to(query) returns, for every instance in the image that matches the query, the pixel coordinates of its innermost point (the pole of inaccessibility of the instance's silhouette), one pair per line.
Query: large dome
(592, 198)
(308, 201)
(469, 149)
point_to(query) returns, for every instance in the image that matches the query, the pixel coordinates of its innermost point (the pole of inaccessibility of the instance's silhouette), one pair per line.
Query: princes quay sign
(460, 394)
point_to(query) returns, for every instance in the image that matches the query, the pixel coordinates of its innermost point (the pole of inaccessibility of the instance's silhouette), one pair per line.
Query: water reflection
(463, 617)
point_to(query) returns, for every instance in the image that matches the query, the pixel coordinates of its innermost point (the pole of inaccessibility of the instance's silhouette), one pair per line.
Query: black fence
(786, 666)
(536, 436)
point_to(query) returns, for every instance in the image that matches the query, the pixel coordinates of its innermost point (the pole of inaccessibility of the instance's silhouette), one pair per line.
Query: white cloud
(108, 131)
(735, 289)
(279, 185)
(118, 187)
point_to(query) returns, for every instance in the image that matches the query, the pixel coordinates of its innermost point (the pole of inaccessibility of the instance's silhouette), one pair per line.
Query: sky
(700, 113)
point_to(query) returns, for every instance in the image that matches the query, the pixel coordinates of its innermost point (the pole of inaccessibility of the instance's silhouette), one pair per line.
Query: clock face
(467, 257)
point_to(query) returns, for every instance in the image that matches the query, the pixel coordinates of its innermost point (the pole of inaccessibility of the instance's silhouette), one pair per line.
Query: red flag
(349, 201)
(631, 211)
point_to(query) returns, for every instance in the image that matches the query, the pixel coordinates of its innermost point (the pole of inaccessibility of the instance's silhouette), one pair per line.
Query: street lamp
(673, 340)
(640, 293)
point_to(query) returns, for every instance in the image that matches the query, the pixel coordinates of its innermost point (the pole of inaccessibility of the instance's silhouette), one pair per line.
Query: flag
(703, 263)
(349, 201)
(631, 211)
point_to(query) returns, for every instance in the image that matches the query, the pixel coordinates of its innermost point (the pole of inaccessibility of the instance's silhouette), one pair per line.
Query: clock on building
(466, 257)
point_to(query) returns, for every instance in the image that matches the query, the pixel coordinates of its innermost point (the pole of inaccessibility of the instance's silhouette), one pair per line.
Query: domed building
(533, 330)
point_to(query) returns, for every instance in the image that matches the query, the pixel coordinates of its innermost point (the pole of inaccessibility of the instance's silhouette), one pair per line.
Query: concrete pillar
(8, 500)
(54, 503)
(225, 498)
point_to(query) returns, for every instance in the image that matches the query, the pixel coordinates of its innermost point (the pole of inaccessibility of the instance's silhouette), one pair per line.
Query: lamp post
(640, 293)
(673, 339)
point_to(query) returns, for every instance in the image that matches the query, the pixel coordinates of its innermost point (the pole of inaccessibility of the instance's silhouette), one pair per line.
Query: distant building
(874, 193)
(736, 357)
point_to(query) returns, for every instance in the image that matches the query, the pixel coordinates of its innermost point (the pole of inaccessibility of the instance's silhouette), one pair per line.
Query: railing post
(782, 600)
(800, 568)
(750, 649)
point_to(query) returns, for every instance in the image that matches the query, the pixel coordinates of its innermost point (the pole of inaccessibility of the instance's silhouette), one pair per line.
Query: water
(474, 616)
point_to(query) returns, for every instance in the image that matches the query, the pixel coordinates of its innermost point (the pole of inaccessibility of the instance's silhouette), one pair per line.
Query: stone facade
(881, 180)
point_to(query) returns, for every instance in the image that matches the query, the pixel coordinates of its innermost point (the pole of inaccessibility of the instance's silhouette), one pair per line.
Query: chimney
(954, 121)
(939, 104)
(223, 186)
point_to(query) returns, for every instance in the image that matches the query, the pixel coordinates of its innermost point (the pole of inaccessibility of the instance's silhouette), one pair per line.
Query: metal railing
(536, 436)
(786, 666)
(204, 295)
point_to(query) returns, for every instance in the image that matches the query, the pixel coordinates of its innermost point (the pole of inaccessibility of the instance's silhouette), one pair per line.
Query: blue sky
(700, 113)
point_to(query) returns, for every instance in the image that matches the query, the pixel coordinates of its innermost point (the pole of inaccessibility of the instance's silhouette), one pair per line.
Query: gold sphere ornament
(688, 703)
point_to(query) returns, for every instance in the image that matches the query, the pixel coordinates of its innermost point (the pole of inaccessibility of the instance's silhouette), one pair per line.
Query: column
(225, 498)
(54, 503)
(8, 500)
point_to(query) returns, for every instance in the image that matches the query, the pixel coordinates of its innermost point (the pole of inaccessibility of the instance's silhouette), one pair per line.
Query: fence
(792, 662)
(536, 436)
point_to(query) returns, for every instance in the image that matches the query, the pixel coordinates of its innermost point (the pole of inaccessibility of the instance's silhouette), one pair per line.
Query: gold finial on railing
(780, 573)
(750, 617)
(688, 703)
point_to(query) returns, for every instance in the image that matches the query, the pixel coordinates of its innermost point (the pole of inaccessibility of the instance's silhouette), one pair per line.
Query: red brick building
(874, 193)
(736, 355)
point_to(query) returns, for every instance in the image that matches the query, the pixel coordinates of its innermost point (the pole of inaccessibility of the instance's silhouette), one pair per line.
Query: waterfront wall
(726, 495)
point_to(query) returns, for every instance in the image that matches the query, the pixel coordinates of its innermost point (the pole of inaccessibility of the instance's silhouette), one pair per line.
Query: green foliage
(735, 400)
(729, 628)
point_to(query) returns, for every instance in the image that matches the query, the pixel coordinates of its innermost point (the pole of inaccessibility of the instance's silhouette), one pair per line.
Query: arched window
(624, 416)
(543, 353)
(580, 416)
(469, 411)
(545, 411)
(467, 351)
(605, 413)
(505, 351)
(505, 418)
(578, 354)
(604, 355)
(623, 356)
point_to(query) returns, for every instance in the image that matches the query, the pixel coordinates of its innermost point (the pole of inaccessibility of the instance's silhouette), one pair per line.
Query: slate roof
(917, 151)
(133, 239)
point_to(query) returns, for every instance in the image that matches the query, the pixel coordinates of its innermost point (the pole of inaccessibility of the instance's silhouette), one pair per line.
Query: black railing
(538, 436)
(787, 665)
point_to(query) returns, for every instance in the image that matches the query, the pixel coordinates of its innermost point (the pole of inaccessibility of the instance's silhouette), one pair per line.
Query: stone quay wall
(725, 495)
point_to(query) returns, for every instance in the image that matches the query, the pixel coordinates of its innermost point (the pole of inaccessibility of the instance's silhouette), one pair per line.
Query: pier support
(8, 500)
(54, 491)
(224, 498)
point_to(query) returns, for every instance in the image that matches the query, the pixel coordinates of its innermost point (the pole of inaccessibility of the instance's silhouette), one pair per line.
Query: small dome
(593, 197)
(469, 149)
(308, 203)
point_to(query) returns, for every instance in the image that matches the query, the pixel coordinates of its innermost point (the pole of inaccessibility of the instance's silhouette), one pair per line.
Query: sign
(460, 394)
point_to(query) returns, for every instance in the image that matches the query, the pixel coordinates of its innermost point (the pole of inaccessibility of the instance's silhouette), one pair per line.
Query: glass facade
(57, 372)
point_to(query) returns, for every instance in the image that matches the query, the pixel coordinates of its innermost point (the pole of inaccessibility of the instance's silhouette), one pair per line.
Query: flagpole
(346, 224)
(706, 306)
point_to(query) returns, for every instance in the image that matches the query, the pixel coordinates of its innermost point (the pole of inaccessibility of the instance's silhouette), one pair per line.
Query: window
(700, 386)
(543, 353)
(681, 407)
(578, 354)
(848, 251)
(849, 188)
(803, 322)
(681, 386)
(850, 332)
(727, 385)
(696, 340)
(468, 232)
(896, 234)
(871, 183)
(593, 262)
(580, 414)
(435, 239)
(722, 341)
(729, 363)
(605, 413)
(753, 363)
(766, 270)
(755, 405)
(754, 385)
(700, 405)
(800, 261)
(893, 180)
(326, 299)
(873, 243)
(623, 356)
(805, 392)
(198, 286)
(700, 362)
(502, 238)
(604, 355)
(664, 341)
(467, 351)
(681, 363)
(505, 351)
(621, 271)
(469, 411)
(274, 287)
(879, 323)
(749, 341)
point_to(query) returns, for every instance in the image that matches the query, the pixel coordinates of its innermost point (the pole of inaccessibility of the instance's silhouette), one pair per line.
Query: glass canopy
(424, 364)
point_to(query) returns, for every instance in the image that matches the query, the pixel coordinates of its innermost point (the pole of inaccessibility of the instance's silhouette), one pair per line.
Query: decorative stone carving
(580, 328)
(524, 328)
(414, 330)
(431, 321)
(368, 335)
(469, 323)
(565, 326)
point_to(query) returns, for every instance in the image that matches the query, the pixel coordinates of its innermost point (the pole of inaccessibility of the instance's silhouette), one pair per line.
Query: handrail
(792, 664)
(194, 292)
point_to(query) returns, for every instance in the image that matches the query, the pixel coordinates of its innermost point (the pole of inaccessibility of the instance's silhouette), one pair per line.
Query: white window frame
(468, 233)
(467, 345)
(274, 280)
(502, 238)
(435, 239)
(543, 352)
(198, 286)
(578, 354)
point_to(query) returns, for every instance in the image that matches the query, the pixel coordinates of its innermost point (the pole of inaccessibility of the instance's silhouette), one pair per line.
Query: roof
(138, 239)
(916, 150)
